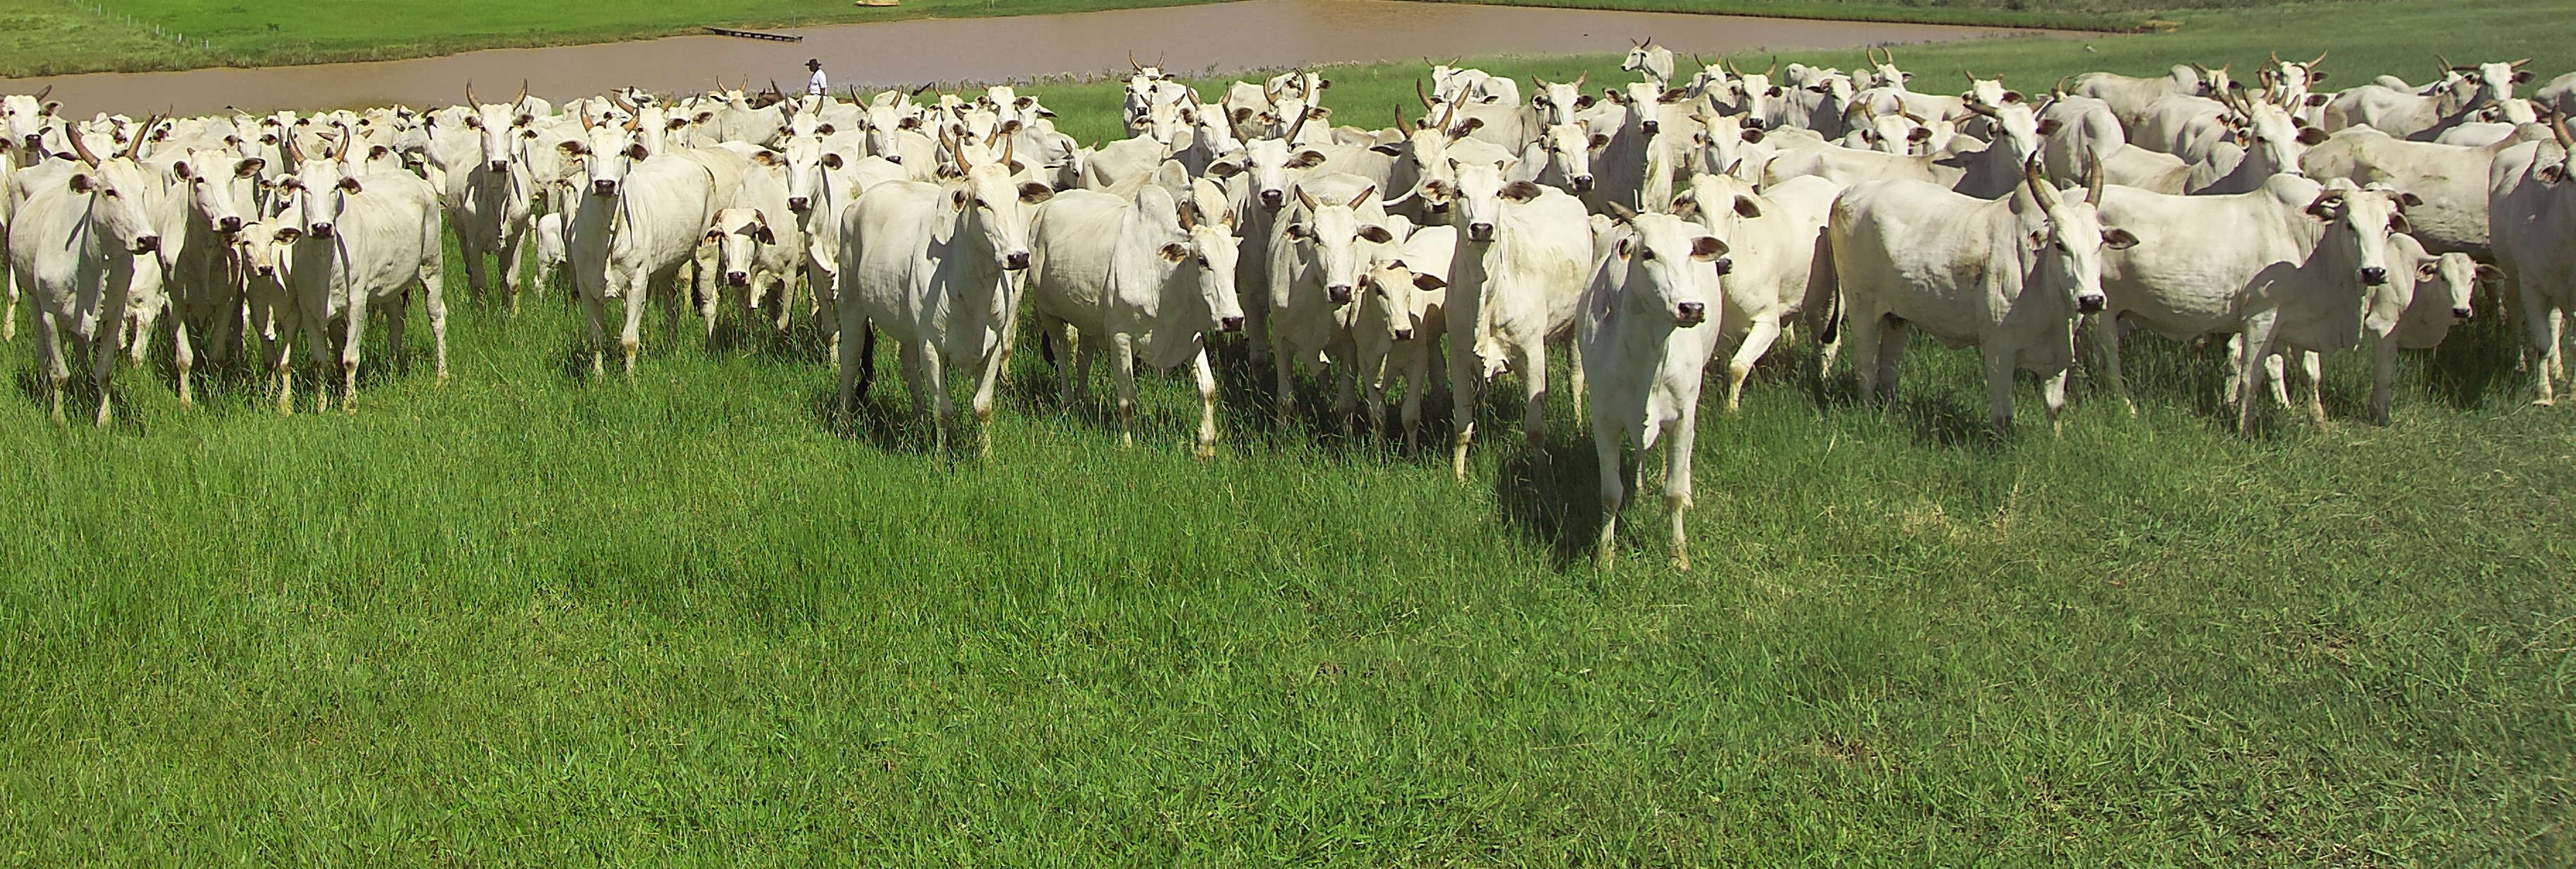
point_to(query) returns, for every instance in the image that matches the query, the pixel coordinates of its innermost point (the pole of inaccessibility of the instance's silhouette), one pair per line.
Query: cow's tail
(1824, 291)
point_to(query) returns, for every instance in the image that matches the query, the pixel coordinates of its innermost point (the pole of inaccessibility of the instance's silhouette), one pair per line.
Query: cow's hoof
(1605, 558)
(2544, 402)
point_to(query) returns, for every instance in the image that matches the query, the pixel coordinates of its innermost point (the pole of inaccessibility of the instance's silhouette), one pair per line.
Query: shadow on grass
(1551, 494)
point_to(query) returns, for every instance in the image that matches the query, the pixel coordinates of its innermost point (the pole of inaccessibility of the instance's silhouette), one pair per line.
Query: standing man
(815, 86)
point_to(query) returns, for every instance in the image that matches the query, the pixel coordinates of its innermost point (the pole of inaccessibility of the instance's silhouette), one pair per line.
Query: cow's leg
(1207, 403)
(1891, 356)
(1574, 371)
(988, 380)
(1285, 397)
(2313, 364)
(2540, 324)
(1256, 327)
(1678, 437)
(49, 361)
(1533, 364)
(9, 308)
(1605, 449)
(2254, 344)
(1417, 381)
(514, 239)
(631, 336)
(1766, 329)
(102, 353)
(2052, 395)
(2276, 372)
(933, 396)
(1122, 361)
(229, 312)
(1999, 388)
(2105, 330)
(354, 338)
(1373, 390)
(395, 319)
(1462, 399)
(2232, 392)
(1345, 373)
(183, 360)
(1860, 333)
(473, 249)
(850, 321)
(317, 352)
(1087, 347)
(434, 299)
(2557, 339)
(280, 356)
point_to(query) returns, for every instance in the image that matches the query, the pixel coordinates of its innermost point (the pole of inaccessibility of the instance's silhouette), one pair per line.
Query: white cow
(1401, 317)
(2450, 179)
(81, 237)
(1655, 62)
(930, 266)
(1516, 282)
(2532, 202)
(369, 239)
(2129, 97)
(1134, 275)
(1645, 341)
(2009, 276)
(490, 198)
(2426, 294)
(640, 221)
(1774, 237)
(2251, 264)
(271, 313)
(1317, 253)
(200, 216)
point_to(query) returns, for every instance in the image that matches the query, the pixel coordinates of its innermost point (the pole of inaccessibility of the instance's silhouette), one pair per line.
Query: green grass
(528, 619)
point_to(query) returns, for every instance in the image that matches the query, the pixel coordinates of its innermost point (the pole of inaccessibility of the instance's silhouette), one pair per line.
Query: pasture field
(52, 37)
(530, 619)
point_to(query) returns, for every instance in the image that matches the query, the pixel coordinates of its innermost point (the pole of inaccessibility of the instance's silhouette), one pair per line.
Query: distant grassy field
(47, 37)
(526, 619)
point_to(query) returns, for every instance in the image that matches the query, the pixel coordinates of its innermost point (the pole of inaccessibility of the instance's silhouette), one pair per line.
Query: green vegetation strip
(530, 619)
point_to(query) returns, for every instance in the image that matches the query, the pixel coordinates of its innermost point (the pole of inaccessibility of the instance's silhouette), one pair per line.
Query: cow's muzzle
(2374, 276)
(1404, 334)
(799, 204)
(603, 187)
(2462, 313)
(499, 167)
(1230, 324)
(147, 244)
(229, 224)
(738, 279)
(1480, 232)
(2090, 303)
(1340, 294)
(1581, 184)
(1016, 260)
(896, 159)
(1725, 265)
(1273, 198)
(320, 230)
(1688, 314)
(1650, 126)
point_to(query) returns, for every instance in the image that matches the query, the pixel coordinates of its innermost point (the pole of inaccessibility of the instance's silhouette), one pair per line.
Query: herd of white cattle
(1638, 229)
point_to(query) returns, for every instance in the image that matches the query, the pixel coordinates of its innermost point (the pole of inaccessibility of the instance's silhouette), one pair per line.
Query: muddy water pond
(1218, 38)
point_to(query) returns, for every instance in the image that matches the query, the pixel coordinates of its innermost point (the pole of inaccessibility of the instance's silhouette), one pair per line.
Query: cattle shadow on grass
(1551, 495)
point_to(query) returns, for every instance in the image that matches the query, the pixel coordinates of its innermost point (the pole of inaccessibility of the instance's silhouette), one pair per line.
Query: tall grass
(528, 618)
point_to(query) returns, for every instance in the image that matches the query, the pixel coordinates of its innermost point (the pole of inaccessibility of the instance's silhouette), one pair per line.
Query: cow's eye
(1646, 253)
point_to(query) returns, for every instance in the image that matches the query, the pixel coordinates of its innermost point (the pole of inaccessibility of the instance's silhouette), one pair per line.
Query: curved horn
(1446, 117)
(2321, 58)
(1304, 112)
(42, 94)
(1008, 143)
(2060, 89)
(1621, 213)
(1775, 67)
(2276, 58)
(2040, 191)
(523, 93)
(585, 119)
(134, 148)
(1131, 61)
(1402, 123)
(2557, 127)
(469, 94)
(1427, 105)
(1979, 108)
(1729, 64)
(2093, 177)
(1972, 77)
(80, 143)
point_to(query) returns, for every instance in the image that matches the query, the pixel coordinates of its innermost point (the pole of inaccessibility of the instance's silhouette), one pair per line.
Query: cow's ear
(2046, 128)
(350, 184)
(1626, 246)
(831, 161)
(180, 168)
(289, 233)
(1707, 247)
(2522, 77)
(1583, 102)
(80, 182)
(825, 129)
(2409, 200)
(1298, 231)
(715, 234)
(1175, 253)
(1325, 84)
(1747, 206)
(1016, 167)
(1307, 159)
(957, 197)
(571, 148)
(2012, 96)
(1391, 149)
(636, 151)
(2118, 239)
(2489, 273)
(378, 152)
(248, 167)
(1010, 127)
(1775, 90)
(1686, 206)
(765, 235)
(1599, 141)
(764, 157)
(1428, 282)
(1376, 234)
(2428, 268)
(2399, 223)
(1521, 191)
(1034, 193)
(1226, 167)
(1924, 134)
(909, 123)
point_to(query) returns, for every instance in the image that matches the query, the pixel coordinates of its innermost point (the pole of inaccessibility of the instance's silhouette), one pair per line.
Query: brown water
(1220, 38)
